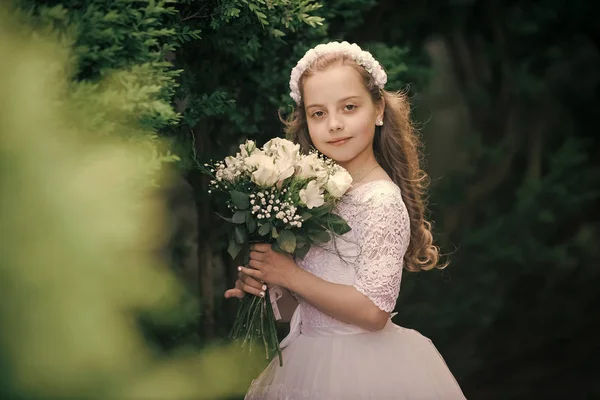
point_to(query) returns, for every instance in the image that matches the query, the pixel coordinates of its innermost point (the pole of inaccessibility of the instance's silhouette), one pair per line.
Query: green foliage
(80, 229)
(344, 16)
(117, 64)
(236, 77)
(240, 200)
(287, 241)
(405, 70)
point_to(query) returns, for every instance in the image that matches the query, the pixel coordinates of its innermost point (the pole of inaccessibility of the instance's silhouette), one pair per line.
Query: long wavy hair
(397, 147)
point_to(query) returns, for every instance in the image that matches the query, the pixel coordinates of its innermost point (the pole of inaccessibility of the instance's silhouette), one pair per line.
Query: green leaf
(337, 224)
(301, 251)
(277, 33)
(234, 248)
(275, 247)
(225, 218)
(306, 216)
(240, 235)
(319, 236)
(240, 200)
(287, 241)
(320, 211)
(265, 229)
(239, 217)
(341, 229)
(250, 222)
(334, 219)
(274, 233)
(301, 240)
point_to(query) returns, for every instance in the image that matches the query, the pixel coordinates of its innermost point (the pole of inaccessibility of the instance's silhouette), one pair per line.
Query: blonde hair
(397, 149)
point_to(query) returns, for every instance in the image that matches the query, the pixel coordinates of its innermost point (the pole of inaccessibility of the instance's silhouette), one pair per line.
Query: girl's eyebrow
(339, 101)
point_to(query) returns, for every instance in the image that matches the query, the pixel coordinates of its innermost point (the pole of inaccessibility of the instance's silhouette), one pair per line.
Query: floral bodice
(369, 257)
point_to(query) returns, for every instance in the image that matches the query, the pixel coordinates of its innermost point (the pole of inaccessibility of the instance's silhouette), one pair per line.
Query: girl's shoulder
(377, 185)
(377, 191)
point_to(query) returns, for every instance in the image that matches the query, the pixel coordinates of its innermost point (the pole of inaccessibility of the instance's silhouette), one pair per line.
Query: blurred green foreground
(80, 225)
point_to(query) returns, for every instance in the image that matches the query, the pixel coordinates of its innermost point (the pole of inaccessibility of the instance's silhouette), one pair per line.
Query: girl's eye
(349, 107)
(318, 114)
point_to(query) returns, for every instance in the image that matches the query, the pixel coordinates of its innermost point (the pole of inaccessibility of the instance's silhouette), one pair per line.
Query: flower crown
(361, 57)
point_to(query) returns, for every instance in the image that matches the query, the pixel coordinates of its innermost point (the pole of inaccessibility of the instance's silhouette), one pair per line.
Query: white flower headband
(361, 57)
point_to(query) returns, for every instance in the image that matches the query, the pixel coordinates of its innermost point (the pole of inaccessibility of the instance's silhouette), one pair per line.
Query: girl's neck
(359, 167)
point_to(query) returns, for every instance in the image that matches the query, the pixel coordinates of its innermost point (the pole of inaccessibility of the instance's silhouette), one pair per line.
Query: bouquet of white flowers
(276, 195)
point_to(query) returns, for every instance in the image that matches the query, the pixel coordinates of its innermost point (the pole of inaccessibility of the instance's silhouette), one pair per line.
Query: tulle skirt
(394, 363)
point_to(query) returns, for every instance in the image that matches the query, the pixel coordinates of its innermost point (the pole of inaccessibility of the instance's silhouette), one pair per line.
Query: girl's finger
(251, 281)
(261, 247)
(243, 277)
(256, 255)
(234, 293)
(254, 273)
(241, 289)
(255, 264)
(254, 291)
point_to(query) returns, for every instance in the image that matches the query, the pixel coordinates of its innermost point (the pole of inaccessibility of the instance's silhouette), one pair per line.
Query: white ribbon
(275, 293)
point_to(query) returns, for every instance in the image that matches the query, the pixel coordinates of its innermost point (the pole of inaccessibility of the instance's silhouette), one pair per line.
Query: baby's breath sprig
(275, 207)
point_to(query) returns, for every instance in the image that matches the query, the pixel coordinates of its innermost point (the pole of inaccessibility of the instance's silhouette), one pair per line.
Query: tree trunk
(206, 268)
(206, 237)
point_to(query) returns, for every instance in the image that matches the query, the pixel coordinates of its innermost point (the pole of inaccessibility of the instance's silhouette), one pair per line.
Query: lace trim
(382, 305)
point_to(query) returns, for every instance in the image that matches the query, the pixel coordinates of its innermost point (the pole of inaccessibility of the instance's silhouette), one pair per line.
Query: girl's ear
(380, 109)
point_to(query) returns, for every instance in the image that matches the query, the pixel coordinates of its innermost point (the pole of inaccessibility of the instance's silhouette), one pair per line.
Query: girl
(342, 343)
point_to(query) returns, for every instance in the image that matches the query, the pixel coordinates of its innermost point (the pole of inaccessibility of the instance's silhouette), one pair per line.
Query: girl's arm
(372, 296)
(342, 302)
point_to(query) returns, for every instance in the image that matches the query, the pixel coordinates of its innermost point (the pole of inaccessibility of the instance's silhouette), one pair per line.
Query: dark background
(505, 95)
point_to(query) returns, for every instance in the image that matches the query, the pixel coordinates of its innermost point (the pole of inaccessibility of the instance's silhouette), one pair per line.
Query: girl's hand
(270, 266)
(245, 284)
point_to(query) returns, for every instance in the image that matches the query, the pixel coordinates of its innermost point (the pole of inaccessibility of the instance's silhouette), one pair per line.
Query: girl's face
(341, 115)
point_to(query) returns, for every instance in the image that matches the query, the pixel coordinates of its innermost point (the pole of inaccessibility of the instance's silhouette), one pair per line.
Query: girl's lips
(339, 142)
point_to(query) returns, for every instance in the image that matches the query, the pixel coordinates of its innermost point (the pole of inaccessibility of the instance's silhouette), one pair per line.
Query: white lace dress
(324, 358)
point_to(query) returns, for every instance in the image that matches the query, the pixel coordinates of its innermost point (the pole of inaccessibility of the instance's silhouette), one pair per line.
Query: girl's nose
(335, 124)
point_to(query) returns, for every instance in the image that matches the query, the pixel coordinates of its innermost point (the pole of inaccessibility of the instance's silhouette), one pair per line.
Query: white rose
(256, 159)
(321, 174)
(312, 195)
(339, 183)
(311, 166)
(307, 166)
(282, 149)
(266, 175)
(285, 167)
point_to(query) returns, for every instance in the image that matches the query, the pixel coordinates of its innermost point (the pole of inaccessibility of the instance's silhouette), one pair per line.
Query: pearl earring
(379, 122)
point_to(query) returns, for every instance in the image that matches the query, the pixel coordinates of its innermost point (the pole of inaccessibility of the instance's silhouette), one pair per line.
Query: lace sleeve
(383, 236)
